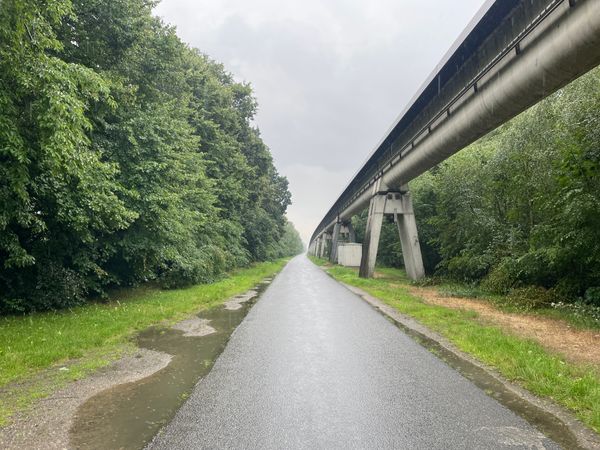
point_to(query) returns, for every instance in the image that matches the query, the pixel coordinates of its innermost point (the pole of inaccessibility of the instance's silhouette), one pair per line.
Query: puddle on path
(543, 421)
(128, 416)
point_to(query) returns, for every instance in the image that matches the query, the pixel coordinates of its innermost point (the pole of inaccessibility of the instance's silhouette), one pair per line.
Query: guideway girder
(506, 61)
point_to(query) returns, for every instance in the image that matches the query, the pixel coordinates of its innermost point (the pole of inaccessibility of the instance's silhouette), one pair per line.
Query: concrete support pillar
(351, 233)
(334, 243)
(372, 232)
(409, 238)
(399, 204)
(326, 245)
(321, 250)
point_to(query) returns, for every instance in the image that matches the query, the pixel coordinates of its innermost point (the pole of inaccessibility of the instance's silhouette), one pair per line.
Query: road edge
(585, 437)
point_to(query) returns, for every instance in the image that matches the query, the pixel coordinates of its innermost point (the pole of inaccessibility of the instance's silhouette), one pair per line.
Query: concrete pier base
(399, 204)
(349, 254)
(409, 239)
(372, 233)
(347, 230)
(320, 246)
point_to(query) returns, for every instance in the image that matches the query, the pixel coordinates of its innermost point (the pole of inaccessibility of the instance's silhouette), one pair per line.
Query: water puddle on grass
(128, 416)
(544, 421)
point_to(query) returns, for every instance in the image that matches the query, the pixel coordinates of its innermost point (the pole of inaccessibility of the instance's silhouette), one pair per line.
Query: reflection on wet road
(129, 415)
(313, 366)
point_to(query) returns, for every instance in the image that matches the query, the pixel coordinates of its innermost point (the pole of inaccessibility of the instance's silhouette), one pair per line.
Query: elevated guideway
(512, 55)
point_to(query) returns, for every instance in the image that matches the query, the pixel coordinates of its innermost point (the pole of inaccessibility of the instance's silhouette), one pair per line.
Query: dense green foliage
(290, 243)
(93, 335)
(520, 209)
(125, 156)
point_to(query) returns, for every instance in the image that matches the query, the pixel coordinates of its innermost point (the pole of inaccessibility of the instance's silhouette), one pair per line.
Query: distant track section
(512, 55)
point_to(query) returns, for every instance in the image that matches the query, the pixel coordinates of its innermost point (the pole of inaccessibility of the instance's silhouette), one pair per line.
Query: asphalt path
(314, 366)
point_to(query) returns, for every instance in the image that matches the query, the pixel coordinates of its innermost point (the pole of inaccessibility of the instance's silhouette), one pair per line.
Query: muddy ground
(49, 423)
(47, 426)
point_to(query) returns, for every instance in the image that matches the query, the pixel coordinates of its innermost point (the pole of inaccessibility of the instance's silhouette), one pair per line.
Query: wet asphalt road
(314, 366)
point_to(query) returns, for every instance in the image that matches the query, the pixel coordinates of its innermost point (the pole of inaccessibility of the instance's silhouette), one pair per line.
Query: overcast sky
(330, 76)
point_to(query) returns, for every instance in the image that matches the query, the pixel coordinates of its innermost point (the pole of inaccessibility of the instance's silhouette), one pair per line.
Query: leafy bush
(50, 287)
(530, 298)
(592, 296)
(58, 287)
(468, 268)
(502, 278)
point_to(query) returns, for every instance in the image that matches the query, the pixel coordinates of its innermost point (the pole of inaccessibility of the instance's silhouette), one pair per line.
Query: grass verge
(520, 360)
(577, 314)
(83, 339)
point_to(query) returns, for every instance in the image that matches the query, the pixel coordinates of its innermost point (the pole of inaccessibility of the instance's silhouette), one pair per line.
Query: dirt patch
(194, 327)
(47, 427)
(579, 346)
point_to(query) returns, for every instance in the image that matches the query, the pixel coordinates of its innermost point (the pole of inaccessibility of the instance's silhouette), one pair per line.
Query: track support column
(372, 233)
(409, 238)
(398, 203)
(334, 242)
(319, 247)
(327, 246)
(351, 233)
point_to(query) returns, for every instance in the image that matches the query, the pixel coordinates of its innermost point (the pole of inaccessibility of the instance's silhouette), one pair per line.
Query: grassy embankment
(520, 360)
(41, 352)
(577, 314)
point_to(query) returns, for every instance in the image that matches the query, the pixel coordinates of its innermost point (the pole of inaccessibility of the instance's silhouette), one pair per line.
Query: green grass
(521, 360)
(33, 347)
(319, 261)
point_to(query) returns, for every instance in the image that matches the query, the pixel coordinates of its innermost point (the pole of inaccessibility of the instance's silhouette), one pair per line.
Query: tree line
(125, 156)
(520, 208)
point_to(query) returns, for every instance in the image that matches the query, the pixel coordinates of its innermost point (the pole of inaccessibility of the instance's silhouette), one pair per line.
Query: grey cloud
(330, 76)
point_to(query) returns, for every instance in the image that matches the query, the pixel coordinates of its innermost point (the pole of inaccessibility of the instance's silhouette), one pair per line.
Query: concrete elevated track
(513, 54)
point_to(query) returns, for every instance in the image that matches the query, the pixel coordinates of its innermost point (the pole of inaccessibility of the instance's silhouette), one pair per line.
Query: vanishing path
(314, 366)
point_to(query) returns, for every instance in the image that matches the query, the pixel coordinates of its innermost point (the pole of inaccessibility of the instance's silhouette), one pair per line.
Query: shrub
(502, 278)
(54, 287)
(468, 268)
(592, 296)
(530, 297)
(568, 289)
